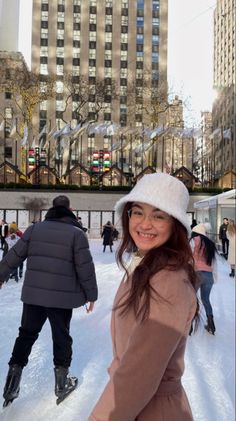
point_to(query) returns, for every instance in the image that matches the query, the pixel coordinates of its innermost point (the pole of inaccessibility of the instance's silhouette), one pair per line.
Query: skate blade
(209, 331)
(7, 403)
(62, 398)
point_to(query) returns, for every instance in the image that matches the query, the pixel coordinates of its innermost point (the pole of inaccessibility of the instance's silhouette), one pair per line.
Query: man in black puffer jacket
(59, 276)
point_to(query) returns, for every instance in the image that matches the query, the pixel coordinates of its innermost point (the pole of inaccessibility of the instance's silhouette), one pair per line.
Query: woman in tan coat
(153, 308)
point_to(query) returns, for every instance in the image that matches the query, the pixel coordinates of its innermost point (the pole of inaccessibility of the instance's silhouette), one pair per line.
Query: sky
(190, 52)
(209, 361)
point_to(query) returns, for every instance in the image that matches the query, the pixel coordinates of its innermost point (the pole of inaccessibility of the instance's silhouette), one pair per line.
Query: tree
(34, 205)
(27, 90)
(87, 100)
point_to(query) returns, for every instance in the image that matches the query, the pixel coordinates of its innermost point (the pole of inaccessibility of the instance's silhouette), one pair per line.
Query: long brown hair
(175, 254)
(231, 227)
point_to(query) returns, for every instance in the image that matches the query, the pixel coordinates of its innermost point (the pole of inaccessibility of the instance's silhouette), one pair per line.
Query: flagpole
(142, 140)
(214, 164)
(26, 160)
(232, 155)
(162, 154)
(222, 155)
(122, 159)
(49, 151)
(131, 156)
(4, 151)
(111, 160)
(15, 158)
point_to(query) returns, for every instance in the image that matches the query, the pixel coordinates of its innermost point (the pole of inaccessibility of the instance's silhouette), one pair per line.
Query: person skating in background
(153, 308)
(193, 224)
(107, 236)
(231, 234)
(79, 219)
(11, 240)
(204, 253)
(59, 276)
(115, 234)
(223, 237)
(3, 232)
(19, 233)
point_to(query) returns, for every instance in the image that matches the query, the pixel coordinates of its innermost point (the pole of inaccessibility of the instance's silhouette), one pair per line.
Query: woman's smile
(149, 227)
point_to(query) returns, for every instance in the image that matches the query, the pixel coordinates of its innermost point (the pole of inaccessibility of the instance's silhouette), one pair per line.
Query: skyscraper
(224, 108)
(114, 41)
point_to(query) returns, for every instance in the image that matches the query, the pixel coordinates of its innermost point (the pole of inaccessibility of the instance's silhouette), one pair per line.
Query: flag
(41, 137)
(216, 132)
(156, 132)
(66, 130)
(112, 129)
(62, 132)
(25, 138)
(13, 129)
(52, 131)
(91, 128)
(147, 131)
(74, 131)
(115, 146)
(227, 134)
(33, 146)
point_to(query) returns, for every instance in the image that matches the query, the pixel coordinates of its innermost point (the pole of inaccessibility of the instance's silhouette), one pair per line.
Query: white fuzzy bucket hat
(202, 228)
(162, 191)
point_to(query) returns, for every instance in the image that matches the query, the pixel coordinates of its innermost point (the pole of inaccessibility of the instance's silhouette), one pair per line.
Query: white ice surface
(210, 360)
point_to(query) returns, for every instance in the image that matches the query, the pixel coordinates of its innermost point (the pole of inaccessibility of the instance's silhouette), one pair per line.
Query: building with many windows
(11, 119)
(110, 62)
(224, 108)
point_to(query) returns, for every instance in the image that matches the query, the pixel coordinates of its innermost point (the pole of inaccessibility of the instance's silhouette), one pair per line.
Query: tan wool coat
(232, 251)
(145, 374)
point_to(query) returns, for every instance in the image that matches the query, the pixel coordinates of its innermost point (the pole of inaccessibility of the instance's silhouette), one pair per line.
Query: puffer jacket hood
(64, 214)
(59, 212)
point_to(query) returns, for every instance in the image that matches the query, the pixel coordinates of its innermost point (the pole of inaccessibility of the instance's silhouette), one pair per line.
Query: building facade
(224, 108)
(11, 118)
(120, 45)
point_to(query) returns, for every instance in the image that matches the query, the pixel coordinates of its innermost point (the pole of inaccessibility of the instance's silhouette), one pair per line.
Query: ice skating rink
(210, 360)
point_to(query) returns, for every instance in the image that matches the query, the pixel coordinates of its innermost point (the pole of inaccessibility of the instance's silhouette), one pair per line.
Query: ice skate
(12, 385)
(64, 383)
(210, 327)
(232, 273)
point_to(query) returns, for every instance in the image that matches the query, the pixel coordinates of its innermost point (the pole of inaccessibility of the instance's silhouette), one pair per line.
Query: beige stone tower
(120, 40)
(224, 108)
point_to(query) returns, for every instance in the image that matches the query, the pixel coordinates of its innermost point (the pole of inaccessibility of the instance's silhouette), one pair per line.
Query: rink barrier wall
(95, 208)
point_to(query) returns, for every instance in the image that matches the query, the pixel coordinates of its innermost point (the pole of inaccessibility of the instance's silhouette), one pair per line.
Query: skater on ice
(231, 235)
(204, 253)
(59, 276)
(107, 235)
(153, 308)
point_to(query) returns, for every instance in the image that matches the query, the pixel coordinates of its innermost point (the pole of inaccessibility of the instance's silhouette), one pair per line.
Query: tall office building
(224, 108)
(110, 40)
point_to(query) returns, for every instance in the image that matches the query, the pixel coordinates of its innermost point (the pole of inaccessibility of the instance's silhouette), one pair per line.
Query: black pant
(225, 245)
(32, 321)
(3, 241)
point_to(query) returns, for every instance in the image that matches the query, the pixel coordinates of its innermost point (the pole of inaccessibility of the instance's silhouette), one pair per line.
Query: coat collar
(62, 214)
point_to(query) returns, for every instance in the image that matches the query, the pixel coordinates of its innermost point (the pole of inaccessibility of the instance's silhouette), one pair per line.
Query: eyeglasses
(157, 217)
